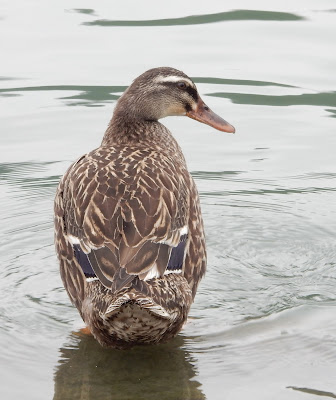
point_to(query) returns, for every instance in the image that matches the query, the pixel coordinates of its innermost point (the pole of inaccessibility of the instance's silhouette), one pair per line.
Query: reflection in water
(87, 11)
(88, 371)
(306, 99)
(240, 82)
(88, 96)
(236, 15)
(8, 78)
(333, 112)
(313, 391)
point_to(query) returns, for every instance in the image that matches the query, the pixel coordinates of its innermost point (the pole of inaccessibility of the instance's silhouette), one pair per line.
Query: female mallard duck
(129, 231)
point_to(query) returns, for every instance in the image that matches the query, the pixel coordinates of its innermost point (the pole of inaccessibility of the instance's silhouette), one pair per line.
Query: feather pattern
(127, 214)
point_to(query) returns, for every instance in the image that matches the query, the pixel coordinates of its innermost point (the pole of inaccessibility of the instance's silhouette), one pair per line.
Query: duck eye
(181, 85)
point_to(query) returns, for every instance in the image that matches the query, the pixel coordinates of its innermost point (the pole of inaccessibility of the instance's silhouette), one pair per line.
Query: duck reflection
(88, 371)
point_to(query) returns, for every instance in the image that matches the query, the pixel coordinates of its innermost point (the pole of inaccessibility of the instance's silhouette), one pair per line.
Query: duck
(129, 232)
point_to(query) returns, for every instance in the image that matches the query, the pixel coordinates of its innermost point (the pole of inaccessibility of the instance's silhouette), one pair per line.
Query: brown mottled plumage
(128, 226)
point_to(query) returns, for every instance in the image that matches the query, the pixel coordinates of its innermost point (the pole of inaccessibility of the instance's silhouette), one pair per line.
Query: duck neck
(133, 121)
(126, 129)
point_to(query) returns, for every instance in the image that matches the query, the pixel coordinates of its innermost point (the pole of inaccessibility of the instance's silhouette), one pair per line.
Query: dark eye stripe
(190, 90)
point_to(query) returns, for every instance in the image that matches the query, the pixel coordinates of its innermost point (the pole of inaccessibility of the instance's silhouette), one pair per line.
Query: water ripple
(86, 11)
(239, 82)
(235, 15)
(313, 391)
(327, 99)
(88, 96)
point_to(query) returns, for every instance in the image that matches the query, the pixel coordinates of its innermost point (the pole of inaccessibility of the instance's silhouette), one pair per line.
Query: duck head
(161, 92)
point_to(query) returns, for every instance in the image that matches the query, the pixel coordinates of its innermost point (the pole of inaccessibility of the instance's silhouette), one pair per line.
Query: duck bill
(203, 114)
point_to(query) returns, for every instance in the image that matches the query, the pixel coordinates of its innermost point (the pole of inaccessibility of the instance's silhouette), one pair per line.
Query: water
(263, 324)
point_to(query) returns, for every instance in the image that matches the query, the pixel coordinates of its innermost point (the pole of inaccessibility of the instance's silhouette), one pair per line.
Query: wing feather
(128, 223)
(143, 260)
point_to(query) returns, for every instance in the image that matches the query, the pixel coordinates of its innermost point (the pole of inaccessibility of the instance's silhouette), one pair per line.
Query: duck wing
(126, 214)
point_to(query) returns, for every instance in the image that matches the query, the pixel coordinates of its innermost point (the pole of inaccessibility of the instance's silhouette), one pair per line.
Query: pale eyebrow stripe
(173, 78)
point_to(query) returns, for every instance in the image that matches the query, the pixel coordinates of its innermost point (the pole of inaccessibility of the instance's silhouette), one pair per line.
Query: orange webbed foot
(83, 331)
